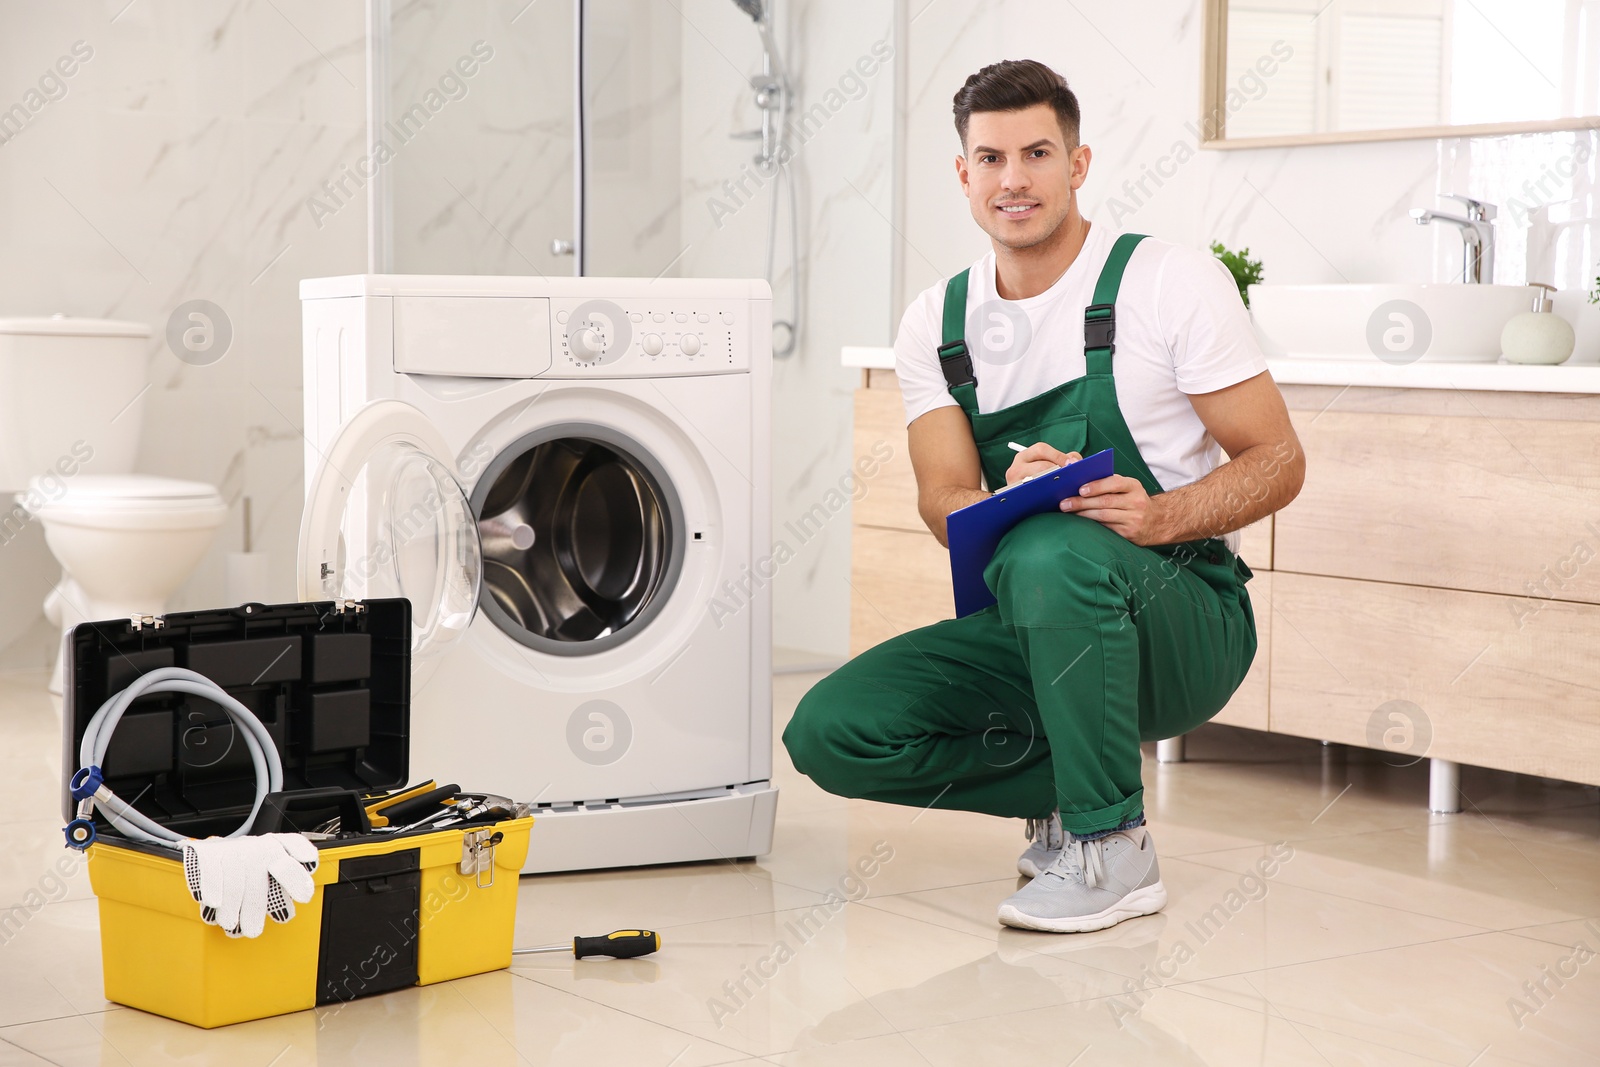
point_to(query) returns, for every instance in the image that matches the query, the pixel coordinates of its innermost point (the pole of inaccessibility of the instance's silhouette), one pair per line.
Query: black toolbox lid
(331, 681)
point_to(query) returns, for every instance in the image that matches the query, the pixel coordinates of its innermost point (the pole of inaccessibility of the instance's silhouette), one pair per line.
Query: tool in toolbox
(466, 808)
(618, 944)
(407, 808)
(380, 809)
(328, 684)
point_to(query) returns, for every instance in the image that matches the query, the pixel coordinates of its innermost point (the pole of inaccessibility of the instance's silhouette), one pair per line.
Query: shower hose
(89, 789)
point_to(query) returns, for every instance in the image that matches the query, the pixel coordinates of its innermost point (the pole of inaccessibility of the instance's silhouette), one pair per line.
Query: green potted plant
(1246, 271)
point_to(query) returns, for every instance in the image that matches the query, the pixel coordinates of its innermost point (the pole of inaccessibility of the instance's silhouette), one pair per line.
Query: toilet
(71, 408)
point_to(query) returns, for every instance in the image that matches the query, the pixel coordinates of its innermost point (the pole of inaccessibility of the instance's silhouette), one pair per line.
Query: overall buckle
(1099, 326)
(956, 363)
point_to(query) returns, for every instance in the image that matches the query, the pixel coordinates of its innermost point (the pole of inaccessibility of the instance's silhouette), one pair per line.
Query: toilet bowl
(125, 543)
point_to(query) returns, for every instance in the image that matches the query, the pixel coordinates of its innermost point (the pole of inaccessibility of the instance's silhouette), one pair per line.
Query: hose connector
(86, 782)
(80, 834)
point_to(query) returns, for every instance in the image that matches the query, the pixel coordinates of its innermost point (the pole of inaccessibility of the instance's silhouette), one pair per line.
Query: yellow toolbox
(331, 683)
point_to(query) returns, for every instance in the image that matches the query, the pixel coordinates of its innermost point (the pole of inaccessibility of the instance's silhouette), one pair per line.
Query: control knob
(586, 344)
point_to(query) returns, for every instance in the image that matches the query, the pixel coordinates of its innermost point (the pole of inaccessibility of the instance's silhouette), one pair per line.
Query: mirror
(1317, 71)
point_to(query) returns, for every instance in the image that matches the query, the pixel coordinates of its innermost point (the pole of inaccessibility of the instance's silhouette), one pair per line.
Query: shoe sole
(1146, 901)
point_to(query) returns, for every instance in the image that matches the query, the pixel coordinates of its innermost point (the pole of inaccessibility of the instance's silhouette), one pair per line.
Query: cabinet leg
(1444, 786)
(1170, 750)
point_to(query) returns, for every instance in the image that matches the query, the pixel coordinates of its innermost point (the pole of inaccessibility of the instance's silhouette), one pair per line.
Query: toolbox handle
(301, 810)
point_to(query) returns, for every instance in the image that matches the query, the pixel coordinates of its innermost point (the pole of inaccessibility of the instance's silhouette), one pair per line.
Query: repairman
(1123, 617)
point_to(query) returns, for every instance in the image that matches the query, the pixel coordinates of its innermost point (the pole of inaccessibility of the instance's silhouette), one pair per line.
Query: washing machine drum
(582, 541)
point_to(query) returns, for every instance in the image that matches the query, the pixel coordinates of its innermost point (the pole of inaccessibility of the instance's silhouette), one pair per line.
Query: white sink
(1396, 323)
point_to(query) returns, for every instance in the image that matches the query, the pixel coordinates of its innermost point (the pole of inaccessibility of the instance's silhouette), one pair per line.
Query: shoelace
(1040, 830)
(1081, 861)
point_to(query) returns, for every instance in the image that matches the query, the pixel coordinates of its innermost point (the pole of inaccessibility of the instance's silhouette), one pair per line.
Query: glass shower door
(473, 110)
(477, 114)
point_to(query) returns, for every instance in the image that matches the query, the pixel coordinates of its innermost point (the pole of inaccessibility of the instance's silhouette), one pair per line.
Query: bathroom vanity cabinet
(1434, 590)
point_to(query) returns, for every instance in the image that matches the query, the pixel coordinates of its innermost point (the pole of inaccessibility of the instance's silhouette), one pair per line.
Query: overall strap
(1100, 317)
(954, 358)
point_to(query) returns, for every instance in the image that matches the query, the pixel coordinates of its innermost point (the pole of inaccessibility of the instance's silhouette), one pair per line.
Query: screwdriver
(618, 944)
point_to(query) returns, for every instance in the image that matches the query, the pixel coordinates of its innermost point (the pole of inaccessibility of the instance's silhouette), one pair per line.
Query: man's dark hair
(1014, 85)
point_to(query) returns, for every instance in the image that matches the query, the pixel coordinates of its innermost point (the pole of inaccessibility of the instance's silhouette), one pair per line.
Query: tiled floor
(1383, 936)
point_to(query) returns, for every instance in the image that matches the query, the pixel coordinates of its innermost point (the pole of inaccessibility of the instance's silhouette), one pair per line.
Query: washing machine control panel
(633, 338)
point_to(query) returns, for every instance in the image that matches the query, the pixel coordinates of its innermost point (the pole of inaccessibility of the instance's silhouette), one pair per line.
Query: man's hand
(1037, 458)
(1116, 501)
(1120, 503)
(1264, 472)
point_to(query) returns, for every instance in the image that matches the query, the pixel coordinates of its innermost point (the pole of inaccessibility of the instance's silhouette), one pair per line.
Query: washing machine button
(561, 317)
(659, 316)
(702, 317)
(727, 318)
(681, 317)
(652, 344)
(690, 344)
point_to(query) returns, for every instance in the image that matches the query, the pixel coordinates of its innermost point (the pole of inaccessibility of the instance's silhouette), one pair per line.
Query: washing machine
(568, 478)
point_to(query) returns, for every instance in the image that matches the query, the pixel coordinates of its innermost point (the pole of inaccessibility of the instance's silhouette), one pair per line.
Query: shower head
(753, 8)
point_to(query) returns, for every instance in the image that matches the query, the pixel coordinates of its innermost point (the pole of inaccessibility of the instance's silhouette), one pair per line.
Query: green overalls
(1096, 643)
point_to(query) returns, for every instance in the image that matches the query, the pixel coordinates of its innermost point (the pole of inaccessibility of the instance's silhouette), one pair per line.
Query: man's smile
(1018, 209)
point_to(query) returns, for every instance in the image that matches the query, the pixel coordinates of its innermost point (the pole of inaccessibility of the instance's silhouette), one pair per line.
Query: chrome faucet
(1477, 236)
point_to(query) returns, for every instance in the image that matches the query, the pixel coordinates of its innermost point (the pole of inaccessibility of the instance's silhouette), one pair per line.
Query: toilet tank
(70, 397)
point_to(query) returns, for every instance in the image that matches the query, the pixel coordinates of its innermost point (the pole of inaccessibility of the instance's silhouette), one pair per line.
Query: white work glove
(239, 881)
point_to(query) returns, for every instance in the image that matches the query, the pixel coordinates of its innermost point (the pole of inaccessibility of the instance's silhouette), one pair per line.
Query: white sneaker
(1091, 885)
(1045, 838)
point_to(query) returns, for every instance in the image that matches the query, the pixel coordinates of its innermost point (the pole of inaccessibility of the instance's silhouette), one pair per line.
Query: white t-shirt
(1181, 329)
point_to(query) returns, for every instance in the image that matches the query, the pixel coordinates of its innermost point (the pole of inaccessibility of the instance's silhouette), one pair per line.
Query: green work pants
(1040, 701)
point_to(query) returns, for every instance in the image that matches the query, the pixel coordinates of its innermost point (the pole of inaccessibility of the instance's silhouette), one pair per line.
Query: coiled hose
(87, 784)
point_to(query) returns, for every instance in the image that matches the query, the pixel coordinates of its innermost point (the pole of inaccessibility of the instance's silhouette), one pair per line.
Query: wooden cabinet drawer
(899, 581)
(1255, 545)
(1249, 704)
(1493, 685)
(890, 499)
(1459, 501)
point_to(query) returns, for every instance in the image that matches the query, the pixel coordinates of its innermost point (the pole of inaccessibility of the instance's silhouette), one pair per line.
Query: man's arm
(945, 460)
(1264, 472)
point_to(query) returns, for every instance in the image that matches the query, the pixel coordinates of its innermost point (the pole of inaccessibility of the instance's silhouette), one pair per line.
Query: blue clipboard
(974, 531)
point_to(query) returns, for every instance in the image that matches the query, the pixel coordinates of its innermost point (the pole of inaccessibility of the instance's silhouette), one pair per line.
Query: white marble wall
(842, 166)
(177, 166)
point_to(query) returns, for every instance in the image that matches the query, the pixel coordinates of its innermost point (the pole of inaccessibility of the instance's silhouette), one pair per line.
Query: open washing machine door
(386, 517)
(583, 538)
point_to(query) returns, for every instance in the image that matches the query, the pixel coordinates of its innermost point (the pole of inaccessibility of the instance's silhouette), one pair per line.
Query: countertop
(1371, 372)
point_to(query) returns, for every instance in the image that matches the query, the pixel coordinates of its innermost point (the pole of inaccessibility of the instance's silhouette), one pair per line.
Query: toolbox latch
(477, 854)
(139, 622)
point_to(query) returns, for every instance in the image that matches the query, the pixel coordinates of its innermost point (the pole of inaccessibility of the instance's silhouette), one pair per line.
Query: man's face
(1018, 175)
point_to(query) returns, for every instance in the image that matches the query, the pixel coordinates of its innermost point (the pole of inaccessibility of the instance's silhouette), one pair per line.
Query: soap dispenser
(1539, 335)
